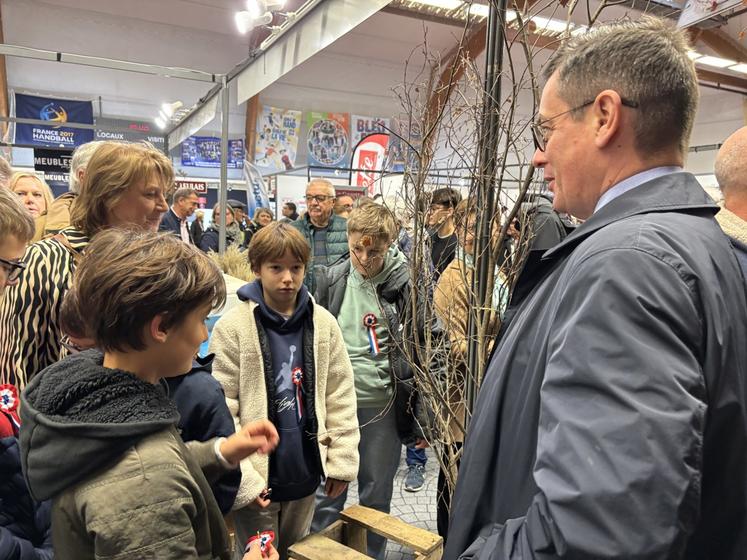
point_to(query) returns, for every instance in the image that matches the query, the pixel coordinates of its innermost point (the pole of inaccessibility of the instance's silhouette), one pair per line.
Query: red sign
(368, 158)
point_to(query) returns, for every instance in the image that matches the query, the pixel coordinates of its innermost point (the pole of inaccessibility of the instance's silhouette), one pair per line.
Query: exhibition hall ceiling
(355, 74)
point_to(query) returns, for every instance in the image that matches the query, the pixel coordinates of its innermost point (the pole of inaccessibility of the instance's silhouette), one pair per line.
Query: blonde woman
(124, 186)
(36, 197)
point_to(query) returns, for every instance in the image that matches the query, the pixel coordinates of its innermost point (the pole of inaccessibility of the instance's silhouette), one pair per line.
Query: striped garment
(29, 327)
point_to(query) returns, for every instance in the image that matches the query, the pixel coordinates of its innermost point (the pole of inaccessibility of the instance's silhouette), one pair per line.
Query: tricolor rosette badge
(297, 378)
(8, 398)
(370, 322)
(265, 539)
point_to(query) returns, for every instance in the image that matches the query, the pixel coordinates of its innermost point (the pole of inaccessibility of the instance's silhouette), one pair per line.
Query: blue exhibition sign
(204, 151)
(57, 112)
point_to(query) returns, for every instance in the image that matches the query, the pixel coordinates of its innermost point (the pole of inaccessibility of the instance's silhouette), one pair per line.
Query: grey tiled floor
(418, 508)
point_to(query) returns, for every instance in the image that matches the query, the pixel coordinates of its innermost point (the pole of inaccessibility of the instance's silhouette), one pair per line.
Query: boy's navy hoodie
(295, 471)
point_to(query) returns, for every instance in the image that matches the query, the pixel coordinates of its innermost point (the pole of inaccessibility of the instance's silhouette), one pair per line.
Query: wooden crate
(346, 539)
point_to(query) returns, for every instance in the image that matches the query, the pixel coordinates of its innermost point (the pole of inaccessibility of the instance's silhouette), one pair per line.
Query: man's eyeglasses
(318, 197)
(541, 134)
(13, 269)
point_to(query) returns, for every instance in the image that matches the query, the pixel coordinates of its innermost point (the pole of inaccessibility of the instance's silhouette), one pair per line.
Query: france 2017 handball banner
(277, 139)
(204, 151)
(328, 141)
(57, 112)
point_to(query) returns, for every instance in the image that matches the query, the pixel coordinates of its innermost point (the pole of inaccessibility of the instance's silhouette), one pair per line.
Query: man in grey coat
(611, 420)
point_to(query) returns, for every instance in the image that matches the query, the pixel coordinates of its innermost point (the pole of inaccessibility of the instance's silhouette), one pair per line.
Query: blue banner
(57, 112)
(204, 151)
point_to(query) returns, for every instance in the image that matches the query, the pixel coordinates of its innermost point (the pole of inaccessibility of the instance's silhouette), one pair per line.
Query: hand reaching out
(256, 437)
(255, 553)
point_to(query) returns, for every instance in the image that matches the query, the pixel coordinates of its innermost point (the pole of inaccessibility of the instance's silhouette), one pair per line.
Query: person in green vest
(325, 231)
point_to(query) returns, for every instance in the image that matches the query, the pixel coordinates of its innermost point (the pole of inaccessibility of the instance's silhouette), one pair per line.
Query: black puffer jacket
(25, 525)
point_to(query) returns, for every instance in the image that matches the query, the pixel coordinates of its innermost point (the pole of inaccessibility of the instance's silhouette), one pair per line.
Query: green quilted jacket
(337, 243)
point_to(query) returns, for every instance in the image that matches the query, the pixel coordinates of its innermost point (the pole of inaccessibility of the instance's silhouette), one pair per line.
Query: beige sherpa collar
(733, 226)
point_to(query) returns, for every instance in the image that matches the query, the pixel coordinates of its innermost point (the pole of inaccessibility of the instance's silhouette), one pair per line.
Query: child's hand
(255, 553)
(334, 487)
(262, 502)
(256, 437)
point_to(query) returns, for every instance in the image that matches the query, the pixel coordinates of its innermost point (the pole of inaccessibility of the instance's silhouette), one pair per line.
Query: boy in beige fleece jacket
(280, 356)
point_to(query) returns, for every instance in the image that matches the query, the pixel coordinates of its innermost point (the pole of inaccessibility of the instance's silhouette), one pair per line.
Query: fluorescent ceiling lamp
(692, 55)
(580, 30)
(160, 123)
(445, 4)
(551, 25)
(739, 68)
(479, 10)
(715, 61)
(170, 108)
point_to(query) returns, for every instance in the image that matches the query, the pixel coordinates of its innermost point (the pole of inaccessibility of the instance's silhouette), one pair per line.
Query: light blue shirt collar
(632, 182)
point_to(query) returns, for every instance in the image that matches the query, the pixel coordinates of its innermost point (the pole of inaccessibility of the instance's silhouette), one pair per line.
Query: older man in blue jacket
(612, 421)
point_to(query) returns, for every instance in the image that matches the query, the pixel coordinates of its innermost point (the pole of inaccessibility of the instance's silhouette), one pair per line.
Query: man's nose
(539, 159)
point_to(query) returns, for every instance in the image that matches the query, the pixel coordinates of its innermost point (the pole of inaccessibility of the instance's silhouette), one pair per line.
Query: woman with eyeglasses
(124, 186)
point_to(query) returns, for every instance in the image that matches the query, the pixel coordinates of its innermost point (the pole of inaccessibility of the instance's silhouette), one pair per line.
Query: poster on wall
(277, 139)
(57, 112)
(361, 126)
(400, 154)
(328, 142)
(369, 156)
(55, 164)
(204, 151)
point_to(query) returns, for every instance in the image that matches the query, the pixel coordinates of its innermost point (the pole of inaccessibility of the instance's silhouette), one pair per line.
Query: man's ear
(156, 330)
(608, 115)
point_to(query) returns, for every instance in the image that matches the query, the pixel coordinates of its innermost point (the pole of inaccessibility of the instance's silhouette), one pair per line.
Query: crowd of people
(611, 421)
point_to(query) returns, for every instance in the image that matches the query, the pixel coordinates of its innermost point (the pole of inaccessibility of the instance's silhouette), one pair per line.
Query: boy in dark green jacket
(99, 432)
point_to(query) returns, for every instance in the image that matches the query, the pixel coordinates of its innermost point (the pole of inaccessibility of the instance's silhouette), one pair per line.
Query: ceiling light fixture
(445, 4)
(715, 61)
(741, 67)
(169, 112)
(551, 25)
(479, 10)
(170, 108)
(692, 55)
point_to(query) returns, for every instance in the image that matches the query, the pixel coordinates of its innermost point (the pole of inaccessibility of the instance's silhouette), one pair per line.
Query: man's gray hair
(731, 163)
(81, 157)
(323, 183)
(644, 61)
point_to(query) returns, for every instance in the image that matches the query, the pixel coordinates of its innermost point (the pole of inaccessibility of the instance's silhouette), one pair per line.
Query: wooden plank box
(346, 539)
